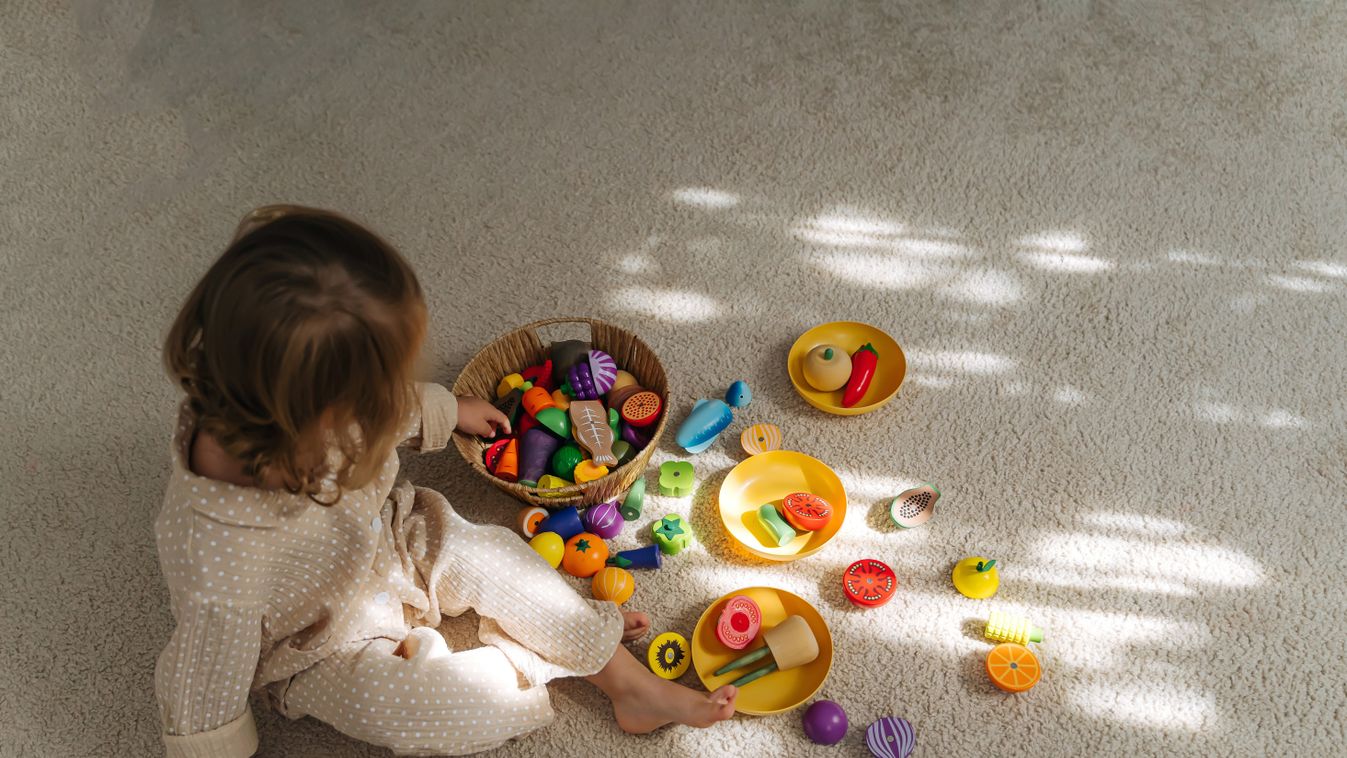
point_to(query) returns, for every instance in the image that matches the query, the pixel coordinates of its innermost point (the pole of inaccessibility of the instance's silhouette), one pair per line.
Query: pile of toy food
(829, 368)
(575, 417)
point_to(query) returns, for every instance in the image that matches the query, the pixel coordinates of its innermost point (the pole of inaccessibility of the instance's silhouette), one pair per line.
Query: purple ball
(825, 722)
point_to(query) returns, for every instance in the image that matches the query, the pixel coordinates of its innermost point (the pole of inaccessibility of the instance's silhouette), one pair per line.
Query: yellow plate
(779, 691)
(849, 335)
(768, 478)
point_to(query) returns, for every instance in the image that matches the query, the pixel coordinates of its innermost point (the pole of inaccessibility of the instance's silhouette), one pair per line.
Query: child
(295, 561)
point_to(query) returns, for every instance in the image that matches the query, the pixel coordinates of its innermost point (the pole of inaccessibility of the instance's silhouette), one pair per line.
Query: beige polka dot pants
(418, 697)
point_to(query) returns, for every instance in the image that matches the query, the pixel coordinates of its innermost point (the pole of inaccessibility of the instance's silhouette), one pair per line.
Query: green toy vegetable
(863, 363)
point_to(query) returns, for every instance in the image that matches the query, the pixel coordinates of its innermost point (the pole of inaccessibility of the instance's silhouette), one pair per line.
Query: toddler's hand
(477, 416)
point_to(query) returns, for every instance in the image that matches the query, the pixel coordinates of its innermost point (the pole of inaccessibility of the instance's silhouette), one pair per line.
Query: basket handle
(537, 326)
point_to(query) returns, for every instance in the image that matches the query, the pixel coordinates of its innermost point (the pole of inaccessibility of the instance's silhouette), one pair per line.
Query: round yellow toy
(550, 546)
(613, 584)
(669, 656)
(827, 367)
(976, 577)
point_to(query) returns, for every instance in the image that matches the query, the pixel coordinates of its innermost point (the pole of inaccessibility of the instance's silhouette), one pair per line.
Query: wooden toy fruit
(550, 546)
(1003, 627)
(507, 466)
(536, 449)
(648, 557)
(827, 368)
(739, 395)
(565, 522)
(641, 409)
(740, 621)
(562, 400)
(790, 643)
(976, 577)
(613, 584)
(760, 438)
(589, 471)
(604, 520)
(776, 527)
(582, 382)
(623, 379)
(676, 478)
(529, 519)
(549, 482)
(707, 420)
(585, 555)
(509, 384)
(806, 512)
(540, 376)
(669, 656)
(565, 354)
(565, 459)
(890, 737)
(869, 583)
(914, 507)
(602, 371)
(863, 365)
(672, 534)
(1012, 667)
(825, 722)
(635, 499)
(493, 452)
(590, 422)
(624, 451)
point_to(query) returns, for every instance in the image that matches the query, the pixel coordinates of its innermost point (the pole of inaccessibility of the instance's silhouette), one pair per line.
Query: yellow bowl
(779, 691)
(769, 478)
(849, 335)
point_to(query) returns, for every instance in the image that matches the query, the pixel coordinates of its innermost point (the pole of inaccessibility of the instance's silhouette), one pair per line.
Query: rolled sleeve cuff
(237, 739)
(439, 416)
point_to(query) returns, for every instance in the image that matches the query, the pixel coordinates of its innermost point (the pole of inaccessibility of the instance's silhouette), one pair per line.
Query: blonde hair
(301, 339)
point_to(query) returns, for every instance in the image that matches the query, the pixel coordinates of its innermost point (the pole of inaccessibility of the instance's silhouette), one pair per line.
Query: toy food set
(846, 368)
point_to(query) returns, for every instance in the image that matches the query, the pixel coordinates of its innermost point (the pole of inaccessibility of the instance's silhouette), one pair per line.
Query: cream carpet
(1110, 237)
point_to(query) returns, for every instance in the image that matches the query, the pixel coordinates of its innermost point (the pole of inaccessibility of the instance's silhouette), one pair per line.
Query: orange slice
(1012, 667)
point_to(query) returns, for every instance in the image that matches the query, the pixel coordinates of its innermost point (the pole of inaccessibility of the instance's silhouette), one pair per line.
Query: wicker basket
(523, 348)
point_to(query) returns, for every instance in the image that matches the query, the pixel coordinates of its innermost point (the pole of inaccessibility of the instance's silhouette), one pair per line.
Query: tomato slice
(869, 583)
(807, 511)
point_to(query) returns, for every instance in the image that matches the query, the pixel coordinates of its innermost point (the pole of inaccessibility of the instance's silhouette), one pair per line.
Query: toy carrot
(863, 363)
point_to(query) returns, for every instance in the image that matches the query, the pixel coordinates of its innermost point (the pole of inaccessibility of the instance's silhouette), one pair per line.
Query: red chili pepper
(863, 363)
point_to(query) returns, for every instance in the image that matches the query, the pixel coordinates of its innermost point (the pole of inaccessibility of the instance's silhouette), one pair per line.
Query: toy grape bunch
(791, 644)
(914, 507)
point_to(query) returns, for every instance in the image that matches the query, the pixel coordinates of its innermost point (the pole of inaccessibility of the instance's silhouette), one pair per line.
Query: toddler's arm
(433, 418)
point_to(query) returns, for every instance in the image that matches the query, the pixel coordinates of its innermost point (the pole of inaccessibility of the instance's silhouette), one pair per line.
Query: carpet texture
(1109, 237)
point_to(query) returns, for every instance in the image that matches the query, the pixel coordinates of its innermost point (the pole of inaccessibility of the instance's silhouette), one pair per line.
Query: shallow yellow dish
(780, 690)
(768, 478)
(849, 335)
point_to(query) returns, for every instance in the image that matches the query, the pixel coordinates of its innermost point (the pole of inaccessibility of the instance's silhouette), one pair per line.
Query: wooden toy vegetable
(493, 453)
(760, 438)
(536, 449)
(562, 400)
(641, 409)
(825, 722)
(1003, 627)
(540, 376)
(1012, 667)
(672, 534)
(511, 405)
(507, 466)
(790, 643)
(740, 621)
(604, 520)
(624, 451)
(589, 471)
(565, 459)
(648, 557)
(776, 527)
(706, 421)
(550, 482)
(585, 555)
(739, 395)
(890, 737)
(827, 368)
(914, 507)
(676, 478)
(509, 384)
(529, 519)
(590, 422)
(669, 655)
(806, 512)
(863, 364)
(565, 522)
(565, 354)
(540, 405)
(635, 499)
(636, 437)
(613, 584)
(976, 577)
(550, 546)
(623, 379)
(869, 583)
(602, 371)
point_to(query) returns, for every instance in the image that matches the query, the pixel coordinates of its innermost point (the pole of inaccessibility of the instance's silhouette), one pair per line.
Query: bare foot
(634, 625)
(666, 702)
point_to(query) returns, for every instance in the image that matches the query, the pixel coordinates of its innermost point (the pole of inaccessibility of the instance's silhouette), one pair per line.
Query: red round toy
(869, 583)
(641, 409)
(806, 511)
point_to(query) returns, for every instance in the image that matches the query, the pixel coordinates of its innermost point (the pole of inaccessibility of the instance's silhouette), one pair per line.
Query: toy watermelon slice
(914, 507)
(641, 409)
(869, 583)
(739, 623)
(806, 511)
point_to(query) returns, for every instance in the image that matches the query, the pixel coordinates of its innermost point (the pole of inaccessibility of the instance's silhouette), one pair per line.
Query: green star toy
(671, 534)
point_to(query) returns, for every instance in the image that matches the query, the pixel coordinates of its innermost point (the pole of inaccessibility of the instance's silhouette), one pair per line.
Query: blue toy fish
(707, 420)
